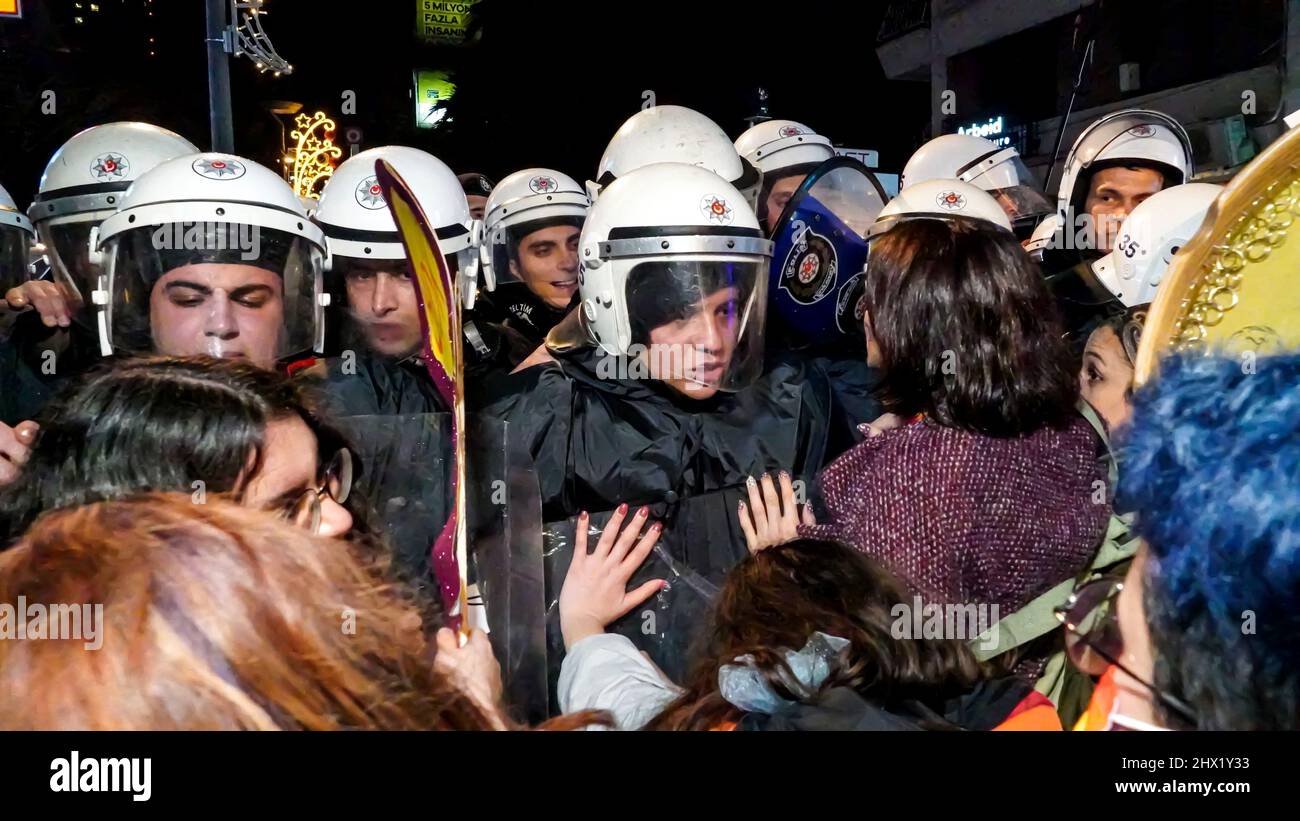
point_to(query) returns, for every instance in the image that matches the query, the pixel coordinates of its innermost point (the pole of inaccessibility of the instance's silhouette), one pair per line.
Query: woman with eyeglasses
(203, 426)
(1204, 630)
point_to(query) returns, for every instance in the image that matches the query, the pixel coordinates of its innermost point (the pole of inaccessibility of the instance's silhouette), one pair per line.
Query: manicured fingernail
(657, 527)
(622, 509)
(742, 507)
(643, 512)
(785, 474)
(751, 481)
(583, 515)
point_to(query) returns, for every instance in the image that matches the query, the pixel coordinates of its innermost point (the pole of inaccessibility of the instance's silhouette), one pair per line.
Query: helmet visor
(697, 324)
(222, 289)
(67, 245)
(14, 244)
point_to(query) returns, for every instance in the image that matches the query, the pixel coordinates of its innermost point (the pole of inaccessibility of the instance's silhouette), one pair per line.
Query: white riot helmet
(359, 228)
(526, 201)
(672, 133)
(1148, 239)
(674, 272)
(356, 219)
(1138, 137)
(1043, 237)
(776, 145)
(781, 149)
(16, 236)
(83, 184)
(939, 199)
(980, 162)
(211, 254)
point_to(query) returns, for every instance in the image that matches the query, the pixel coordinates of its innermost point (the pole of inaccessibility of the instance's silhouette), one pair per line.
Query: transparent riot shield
(402, 484)
(403, 488)
(505, 536)
(700, 544)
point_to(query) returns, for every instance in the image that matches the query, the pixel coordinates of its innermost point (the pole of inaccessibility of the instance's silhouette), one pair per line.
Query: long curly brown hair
(772, 602)
(217, 617)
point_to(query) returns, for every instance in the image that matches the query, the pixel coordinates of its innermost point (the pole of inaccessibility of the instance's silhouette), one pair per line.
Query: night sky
(543, 83)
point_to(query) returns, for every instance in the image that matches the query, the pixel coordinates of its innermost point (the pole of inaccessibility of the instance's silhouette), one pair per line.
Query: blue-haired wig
(1211, 464)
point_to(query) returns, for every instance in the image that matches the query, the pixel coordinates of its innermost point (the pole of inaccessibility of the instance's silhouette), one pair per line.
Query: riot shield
(816, 284)
(402, 488)
(505, 537)
(700, 544)
(402, 483)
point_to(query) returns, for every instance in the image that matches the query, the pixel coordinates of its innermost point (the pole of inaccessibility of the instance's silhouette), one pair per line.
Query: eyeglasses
(304, 510)
(1093, 640)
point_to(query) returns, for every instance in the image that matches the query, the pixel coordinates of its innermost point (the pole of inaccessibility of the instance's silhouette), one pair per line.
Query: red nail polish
(645, 511)
(583, 515)
(657, 527)
(622, 509)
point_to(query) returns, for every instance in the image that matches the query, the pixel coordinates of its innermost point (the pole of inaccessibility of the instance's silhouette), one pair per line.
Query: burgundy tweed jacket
(970, 519)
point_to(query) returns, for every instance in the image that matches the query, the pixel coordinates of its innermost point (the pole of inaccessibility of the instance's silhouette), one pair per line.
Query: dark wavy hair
(1211, 463)
(968, 332)
(155, 424)
(773, 601)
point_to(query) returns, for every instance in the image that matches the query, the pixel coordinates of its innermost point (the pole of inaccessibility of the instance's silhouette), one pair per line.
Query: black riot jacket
(595, 442)
(514, 306)
(29, 377)
(599, 441)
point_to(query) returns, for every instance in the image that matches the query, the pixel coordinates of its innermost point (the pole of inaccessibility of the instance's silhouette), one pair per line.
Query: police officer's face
(381, 298)
(692, 354)
(781, 192)
(229, 311)
(476, 205)
(547, 263)
(1113, 193)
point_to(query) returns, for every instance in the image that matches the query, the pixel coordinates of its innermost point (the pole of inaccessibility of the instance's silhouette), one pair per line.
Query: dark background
(540, 83)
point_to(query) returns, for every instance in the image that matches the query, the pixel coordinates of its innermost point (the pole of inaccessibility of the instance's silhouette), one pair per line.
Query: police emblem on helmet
(369, 194)
(951, 200)
(110, 166)
(218, 168)
(716, 210)
(543, 185)
(791, 131)
(1142, 130)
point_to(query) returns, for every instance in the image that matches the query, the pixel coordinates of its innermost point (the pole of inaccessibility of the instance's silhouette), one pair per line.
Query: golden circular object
(1235, 285)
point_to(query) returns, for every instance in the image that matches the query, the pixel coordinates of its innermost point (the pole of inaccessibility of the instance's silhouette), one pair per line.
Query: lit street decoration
(311, 160)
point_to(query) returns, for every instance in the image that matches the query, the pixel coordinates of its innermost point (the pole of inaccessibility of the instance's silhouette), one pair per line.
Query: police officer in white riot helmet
(54, 337)
(785, 152)
(673, 133)
(83, 184)
(1130, 276)
(370, 278)
(529, 253)
(986, 165)
(657, 394)
(942, 199)
(373, 322)
(1116, 163)
(16, 236)
(211, 254)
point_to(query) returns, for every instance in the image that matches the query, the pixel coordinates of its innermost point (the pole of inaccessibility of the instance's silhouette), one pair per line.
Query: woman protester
(200, 426)
(317, 643)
